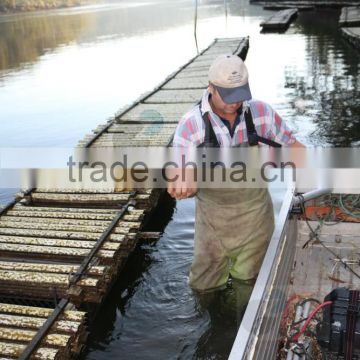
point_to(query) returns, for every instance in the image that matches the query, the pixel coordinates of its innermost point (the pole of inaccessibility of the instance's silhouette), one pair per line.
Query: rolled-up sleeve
(280, 132)
(186, 133)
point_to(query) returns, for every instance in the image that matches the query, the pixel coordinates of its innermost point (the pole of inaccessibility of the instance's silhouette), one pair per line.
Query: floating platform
(20, 324)
(151, 120)
(65, 248)
(279, 21)
(350, 16)
(352, 35)
(303, 5)
(284, 6)
(45, 238)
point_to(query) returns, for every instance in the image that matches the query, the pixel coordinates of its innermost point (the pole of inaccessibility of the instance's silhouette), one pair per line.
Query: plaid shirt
(268, 124)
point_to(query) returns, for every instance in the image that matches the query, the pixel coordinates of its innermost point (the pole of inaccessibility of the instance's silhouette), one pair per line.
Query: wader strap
(351, 318)
(253, 137)
(210, 139)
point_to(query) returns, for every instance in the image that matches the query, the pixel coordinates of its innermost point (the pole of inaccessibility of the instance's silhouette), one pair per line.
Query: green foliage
(25, 39)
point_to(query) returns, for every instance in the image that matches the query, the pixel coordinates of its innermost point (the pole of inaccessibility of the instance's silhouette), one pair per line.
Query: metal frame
(248, 334)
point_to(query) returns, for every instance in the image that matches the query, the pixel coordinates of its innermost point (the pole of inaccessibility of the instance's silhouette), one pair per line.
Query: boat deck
(301, 263)
(316, 271)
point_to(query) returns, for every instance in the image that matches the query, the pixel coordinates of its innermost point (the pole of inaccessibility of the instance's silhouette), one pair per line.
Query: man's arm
(181, 183)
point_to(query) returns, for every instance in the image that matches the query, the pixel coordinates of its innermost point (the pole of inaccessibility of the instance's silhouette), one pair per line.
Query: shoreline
(24, 6)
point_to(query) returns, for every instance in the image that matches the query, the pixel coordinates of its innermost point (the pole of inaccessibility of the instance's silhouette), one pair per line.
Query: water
(63, 72)
(153, 314)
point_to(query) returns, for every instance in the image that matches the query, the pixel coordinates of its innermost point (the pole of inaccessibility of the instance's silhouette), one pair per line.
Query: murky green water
(64, 72)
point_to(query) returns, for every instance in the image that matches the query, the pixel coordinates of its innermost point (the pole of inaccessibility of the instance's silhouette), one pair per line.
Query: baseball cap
(228, 73)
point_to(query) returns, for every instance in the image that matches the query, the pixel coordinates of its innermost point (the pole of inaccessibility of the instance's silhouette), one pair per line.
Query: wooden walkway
(279, 21)
(304, 4)
(19, 325)
(152, 120)
(67, 247)
(350, 16)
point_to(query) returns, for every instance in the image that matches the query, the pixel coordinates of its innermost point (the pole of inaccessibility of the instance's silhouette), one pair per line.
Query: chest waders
(233, 227)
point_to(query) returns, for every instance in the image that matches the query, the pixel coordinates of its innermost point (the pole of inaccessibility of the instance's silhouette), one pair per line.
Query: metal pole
(195, 26)
(311, 195)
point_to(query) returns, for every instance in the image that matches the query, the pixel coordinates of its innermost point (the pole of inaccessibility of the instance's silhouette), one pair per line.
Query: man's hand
(181, 183)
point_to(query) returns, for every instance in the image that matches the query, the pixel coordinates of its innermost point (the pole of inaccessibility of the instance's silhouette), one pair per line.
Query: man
(233, 226)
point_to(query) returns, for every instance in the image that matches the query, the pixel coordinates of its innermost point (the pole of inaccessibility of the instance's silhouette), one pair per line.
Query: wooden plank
(79, 191)
(160, 112)
(215, 51)
(48, 226)
(190, 74)
(352, 35)
(131, 143)
(15, 350)
(67, 209)
(68, 315)
(80, 198)
(129, 130)
(56, 242)
(155, 136)
(45, 250)
(57, 234)
(21, 335)
(199, 65)
(48, 268)
(43, 279)
(75, 222)
(60, 215)
(350, 16)
(175, 96)
(188, 83)
(205, 58)
(137, 138)
(141, 140)
(281, 20)
(201, 61)
(63, 326)
(64, 227)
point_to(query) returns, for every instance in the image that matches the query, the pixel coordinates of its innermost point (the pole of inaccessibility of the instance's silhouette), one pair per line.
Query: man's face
(220, 105)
